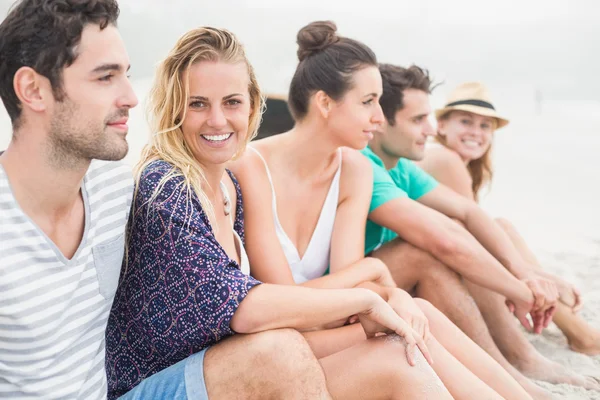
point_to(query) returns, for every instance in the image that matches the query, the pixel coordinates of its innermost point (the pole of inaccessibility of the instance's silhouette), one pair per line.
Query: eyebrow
(371, 95)
(202, 98)
(109, 67)
(422, 115)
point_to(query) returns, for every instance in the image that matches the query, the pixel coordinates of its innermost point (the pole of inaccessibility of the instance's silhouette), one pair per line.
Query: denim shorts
(181, 381)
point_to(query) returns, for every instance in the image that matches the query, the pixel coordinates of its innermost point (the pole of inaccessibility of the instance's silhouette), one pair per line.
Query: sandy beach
(546, 184)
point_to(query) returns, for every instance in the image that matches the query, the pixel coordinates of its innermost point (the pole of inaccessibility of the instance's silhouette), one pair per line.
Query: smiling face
(218, 111)
(469, 134)
(90, 122)
(407, 137)
(357, 115)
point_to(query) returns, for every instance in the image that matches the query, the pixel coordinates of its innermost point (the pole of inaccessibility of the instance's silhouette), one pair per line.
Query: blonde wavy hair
(481, 169)
(167, 108)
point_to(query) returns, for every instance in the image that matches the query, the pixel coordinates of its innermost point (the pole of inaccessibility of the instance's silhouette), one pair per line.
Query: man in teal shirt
(404, 180)
(413, 229)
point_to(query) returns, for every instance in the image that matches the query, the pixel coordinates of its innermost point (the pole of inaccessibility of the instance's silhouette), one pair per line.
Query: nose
(429, 129)
(378, 117)
(128, 99)
(216, 118)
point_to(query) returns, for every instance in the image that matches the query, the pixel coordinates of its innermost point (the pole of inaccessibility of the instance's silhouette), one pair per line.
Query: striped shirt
(53, 311)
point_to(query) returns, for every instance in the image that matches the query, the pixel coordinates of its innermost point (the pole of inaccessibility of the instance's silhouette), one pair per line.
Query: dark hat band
(479, 103)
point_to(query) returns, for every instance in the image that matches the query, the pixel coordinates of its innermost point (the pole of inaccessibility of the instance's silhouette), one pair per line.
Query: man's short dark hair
(43, 35)
(395, 81)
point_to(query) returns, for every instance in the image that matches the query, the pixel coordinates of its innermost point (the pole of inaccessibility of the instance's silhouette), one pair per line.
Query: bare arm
(457, 202)
(277, 306)
(450, 243)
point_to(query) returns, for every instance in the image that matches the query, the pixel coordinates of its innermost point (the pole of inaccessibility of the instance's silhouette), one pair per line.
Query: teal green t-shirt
(404, 180)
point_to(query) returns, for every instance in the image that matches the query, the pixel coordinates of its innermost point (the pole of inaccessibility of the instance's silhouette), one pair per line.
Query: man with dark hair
(411, 229)
(63, 81)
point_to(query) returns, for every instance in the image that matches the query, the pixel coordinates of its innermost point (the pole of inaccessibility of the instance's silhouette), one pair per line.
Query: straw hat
(471, 97)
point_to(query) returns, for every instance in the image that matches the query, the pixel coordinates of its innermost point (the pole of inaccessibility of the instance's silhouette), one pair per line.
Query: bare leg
(418, 272)
(275, 364)
(472, 356)
(515, 346)
(377, 369)
(582, 337)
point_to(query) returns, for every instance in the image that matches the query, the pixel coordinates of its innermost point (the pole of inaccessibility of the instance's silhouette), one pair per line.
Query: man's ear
(32, 89)
(324, 103)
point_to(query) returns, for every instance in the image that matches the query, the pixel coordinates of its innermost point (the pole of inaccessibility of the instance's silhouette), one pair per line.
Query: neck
(40, 183)
(311, 149)
(213, 174)
(389, 160)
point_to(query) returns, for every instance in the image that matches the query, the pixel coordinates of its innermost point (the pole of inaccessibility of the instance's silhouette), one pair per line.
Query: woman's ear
(323, 103)
(441, 124)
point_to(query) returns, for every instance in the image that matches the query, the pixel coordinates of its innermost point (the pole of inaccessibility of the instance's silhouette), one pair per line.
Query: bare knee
(425, 306)
(390, 351)
(429, 265)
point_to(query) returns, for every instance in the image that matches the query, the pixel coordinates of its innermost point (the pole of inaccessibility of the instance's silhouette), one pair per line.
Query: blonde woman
(466, 127)
(185, 290)
(306, 197)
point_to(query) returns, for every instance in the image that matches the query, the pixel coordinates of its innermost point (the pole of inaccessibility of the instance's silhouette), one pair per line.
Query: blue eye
(233, 102)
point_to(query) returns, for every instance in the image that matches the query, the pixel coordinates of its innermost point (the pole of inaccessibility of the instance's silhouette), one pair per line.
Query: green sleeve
(421, 182)
(384, 187)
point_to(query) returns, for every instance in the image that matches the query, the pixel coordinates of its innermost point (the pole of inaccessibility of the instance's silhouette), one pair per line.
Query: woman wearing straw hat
(465, 130)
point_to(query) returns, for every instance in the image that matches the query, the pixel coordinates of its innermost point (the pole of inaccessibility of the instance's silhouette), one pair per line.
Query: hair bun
(315, 37)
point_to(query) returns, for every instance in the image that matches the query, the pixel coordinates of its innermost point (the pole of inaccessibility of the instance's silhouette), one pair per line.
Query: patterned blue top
(178, 290)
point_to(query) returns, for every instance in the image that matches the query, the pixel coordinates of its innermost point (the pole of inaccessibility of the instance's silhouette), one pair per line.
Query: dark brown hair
(395, 81)
(327, 62)
(43, 35)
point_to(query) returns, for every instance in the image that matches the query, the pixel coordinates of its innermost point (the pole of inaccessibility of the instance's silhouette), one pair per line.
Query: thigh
(262, 366)
(405, 262)
(181, 381)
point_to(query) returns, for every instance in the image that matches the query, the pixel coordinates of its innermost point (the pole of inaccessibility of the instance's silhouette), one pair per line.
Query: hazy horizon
(517, 48)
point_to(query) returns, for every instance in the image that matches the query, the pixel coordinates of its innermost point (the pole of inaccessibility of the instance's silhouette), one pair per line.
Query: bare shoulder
(448, 168)
(444, 157)
(354, 162)
(357, 174)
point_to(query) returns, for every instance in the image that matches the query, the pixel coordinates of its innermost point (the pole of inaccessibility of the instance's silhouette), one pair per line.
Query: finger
(555, 293)
(578, 300)
(538, 322)
(522, 317)
(548, 316)
(538, 295)
(424, 350)
(427, 332)
(511, 306)
(411, 347)
(420, 327)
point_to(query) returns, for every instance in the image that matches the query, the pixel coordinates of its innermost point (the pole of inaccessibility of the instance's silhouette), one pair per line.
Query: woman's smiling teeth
(473, 144)
(217, 138)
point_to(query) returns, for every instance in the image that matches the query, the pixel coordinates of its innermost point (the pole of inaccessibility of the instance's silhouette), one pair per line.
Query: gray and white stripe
(53, 311)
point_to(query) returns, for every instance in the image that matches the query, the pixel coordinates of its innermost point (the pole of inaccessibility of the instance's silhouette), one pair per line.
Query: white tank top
(244, 263)
(315, 261)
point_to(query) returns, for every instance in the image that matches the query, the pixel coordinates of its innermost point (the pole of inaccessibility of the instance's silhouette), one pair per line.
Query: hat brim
(486, 112)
